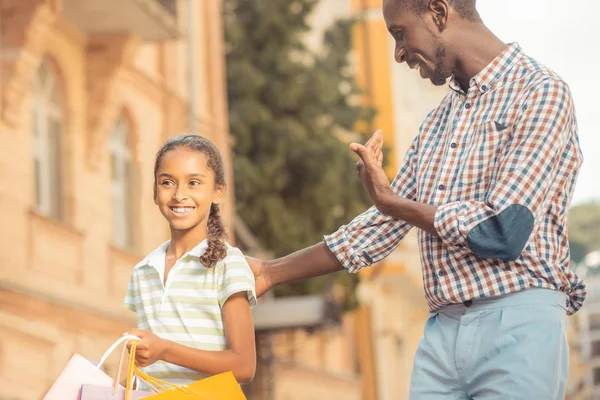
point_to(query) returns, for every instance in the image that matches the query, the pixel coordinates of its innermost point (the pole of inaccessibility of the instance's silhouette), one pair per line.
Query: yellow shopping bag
(217, 387)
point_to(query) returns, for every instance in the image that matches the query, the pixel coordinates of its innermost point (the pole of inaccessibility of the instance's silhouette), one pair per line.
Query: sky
(562, 35)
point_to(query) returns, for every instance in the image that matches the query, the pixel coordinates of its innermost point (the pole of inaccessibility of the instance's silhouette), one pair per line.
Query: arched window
(48, 126)
(123, 184)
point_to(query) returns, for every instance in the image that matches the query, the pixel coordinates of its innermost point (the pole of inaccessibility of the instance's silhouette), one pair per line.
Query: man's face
(417, 42)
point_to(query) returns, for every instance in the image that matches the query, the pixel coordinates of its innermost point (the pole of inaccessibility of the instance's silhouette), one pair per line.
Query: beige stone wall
(317, 364)
(62, 282)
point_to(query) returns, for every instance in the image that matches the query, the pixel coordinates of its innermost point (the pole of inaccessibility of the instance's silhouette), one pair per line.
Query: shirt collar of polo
(156, 258)
(491, 74)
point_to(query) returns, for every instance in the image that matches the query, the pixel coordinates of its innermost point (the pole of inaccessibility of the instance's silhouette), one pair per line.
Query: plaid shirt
(500, 162)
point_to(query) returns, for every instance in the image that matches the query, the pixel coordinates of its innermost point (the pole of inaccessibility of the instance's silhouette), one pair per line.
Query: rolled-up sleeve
(540, 156)
(372, 236)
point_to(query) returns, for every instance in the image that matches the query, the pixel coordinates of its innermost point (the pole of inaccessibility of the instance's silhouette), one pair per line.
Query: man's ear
(439, 10)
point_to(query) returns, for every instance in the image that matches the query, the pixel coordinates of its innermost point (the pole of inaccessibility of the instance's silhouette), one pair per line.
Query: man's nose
(400, 55)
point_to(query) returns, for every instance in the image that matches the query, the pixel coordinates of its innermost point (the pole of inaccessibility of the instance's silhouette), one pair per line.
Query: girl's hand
(148, 350)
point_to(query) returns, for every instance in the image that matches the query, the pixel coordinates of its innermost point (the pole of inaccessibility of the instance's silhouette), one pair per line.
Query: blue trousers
(504, 348)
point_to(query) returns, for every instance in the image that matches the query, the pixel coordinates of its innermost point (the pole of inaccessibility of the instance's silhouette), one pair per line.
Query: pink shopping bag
(97, 392)
(79, 371)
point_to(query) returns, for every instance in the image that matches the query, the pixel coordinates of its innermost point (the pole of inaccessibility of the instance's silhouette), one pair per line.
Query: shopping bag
(80, 371)
(115, 391)
(217, 387)
(77, 372)
(97, 392)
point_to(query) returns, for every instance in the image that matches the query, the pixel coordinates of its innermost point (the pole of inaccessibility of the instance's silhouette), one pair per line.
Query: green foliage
(584, 230)
(295, 180)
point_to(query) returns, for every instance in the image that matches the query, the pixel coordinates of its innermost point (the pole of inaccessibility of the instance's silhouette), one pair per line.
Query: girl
(193, 294)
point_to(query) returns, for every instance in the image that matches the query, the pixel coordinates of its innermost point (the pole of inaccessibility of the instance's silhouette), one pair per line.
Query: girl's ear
(219, 194)
(155, 195)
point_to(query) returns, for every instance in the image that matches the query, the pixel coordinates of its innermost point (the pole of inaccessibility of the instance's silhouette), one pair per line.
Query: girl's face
(185, 189)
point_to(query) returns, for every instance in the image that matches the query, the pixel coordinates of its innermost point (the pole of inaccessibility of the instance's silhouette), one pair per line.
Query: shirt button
(467, 105)
(484, 88)
(441, 187)
(453, 145)
(441, 273)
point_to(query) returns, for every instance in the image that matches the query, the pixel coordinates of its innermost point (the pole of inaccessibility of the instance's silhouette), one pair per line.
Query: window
(48, 117)
(594, 321)
(596, 348)
(122, 185)
(596, 377)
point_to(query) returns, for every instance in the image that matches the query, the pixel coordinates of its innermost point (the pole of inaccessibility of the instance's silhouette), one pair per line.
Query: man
(487, 182)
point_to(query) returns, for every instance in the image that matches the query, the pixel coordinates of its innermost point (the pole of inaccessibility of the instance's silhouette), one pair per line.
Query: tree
(584, 230)
(295, 179)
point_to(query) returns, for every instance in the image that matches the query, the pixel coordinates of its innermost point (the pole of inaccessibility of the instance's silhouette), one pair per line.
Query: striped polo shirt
(187, 309)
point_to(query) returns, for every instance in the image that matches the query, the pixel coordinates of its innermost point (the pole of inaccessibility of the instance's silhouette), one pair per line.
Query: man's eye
(398, 35)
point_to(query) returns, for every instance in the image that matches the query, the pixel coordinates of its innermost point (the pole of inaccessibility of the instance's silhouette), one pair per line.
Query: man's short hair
(465, 8)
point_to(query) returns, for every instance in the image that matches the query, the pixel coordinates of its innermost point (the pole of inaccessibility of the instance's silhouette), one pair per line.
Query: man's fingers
(358, 149)
(366, 156)
(376, 140)
(380, 144)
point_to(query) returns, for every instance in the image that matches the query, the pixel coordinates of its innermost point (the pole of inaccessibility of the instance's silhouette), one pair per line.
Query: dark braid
(217, 249)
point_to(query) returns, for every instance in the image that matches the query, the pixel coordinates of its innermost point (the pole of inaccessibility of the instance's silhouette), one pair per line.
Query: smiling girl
(192, 295)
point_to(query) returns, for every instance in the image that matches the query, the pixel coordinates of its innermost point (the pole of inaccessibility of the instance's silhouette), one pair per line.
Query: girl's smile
(182, 211)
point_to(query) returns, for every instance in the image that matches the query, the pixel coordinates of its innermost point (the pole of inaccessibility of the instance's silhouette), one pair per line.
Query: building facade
(89, 90)
(589, 325)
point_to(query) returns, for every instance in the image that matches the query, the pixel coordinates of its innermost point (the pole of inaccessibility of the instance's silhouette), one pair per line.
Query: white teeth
(181, 209)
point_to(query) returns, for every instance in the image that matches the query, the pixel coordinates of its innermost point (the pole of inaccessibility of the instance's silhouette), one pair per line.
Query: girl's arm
(240, 358)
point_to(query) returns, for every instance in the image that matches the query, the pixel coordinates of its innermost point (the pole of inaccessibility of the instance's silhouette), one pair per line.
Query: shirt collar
(487, 77)
(156, 258)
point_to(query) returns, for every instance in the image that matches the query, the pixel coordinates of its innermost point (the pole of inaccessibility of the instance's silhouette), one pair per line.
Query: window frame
(48, 115)
(123, 184)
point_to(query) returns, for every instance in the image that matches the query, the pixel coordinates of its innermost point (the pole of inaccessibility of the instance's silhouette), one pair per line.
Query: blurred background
(90, 89)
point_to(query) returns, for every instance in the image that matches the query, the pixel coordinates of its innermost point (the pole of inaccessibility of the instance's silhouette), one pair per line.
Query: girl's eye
(167, 183)
(194, 183)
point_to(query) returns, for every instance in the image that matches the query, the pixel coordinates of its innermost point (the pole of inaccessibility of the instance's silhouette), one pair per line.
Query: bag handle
(130, 367)
(165, 385)
(114, 346)
(133, 370)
